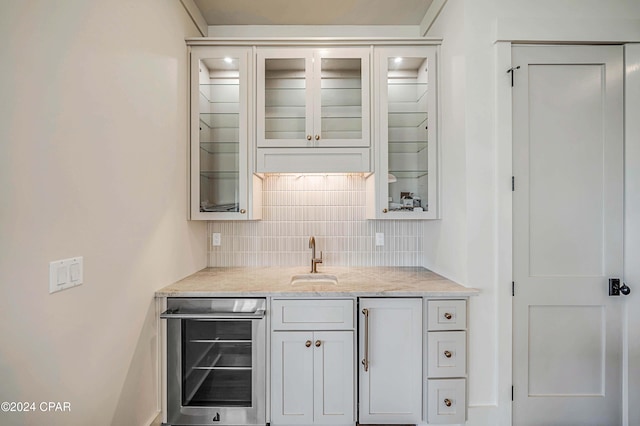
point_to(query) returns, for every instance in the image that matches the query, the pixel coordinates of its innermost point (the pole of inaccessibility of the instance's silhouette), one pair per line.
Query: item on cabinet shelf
(208, 207)
(391, 178)
(407, 200)
(417, 202)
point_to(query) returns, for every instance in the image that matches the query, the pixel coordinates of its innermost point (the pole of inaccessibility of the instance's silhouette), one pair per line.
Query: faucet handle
(320, 256)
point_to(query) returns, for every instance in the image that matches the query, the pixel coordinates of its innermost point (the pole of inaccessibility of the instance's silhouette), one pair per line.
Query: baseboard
(155, 420)
(487, 415)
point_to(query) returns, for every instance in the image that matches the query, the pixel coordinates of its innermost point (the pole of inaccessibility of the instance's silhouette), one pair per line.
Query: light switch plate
(65, 273)
(379, 239)
(216, 239)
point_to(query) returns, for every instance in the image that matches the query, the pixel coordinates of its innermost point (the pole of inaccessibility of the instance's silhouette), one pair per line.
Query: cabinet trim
(312, 41)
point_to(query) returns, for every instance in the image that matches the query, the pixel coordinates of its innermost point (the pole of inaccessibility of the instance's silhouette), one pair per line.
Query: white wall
(464, 245)
(93, 163)
(461, 245)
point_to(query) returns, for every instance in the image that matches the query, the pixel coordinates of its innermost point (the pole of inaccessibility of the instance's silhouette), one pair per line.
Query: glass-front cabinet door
(312, 97)
(220, 132)
(406, 177)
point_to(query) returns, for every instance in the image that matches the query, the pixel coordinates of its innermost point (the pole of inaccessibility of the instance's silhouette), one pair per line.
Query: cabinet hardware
(447, 354)
(365, 361)
(318, 343)
(307, 343)
(615, 289)
(510, 71)
(243, 211)
(317, 137)
(447, 402)
(384, 210)
(448, 316)
(308, 137)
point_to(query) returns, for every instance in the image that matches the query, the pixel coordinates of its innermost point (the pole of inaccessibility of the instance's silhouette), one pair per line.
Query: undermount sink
(315, 279)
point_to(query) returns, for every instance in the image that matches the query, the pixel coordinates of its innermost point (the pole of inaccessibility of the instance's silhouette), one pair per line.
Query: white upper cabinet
(313, 109)
(405, 183)
(313, 97)
(221, 121)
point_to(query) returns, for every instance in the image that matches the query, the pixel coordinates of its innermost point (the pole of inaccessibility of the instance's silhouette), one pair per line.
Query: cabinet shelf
(404, 147)
(400, 92)
(219, 174)
(217, 120)
(220, 147)
(219, 101)
(407, 119)
(409, 174)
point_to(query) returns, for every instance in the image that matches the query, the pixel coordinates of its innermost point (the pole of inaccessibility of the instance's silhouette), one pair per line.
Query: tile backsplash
(329, 207)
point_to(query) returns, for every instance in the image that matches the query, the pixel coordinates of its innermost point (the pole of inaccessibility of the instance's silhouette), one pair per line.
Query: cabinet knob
(447, 354)
(384, 210)
(317, 137)
(308, 137)
(307, 343)
(448, 316)
(447, 402)
(318, 343)
(243, 211)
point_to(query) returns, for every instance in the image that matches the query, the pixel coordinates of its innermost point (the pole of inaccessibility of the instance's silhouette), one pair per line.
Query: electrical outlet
(379, 239)
(216, 239)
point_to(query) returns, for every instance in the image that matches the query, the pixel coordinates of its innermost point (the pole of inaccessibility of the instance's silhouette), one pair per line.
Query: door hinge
(513, 288)
(513, 183)
(511, 393)
(511, 70)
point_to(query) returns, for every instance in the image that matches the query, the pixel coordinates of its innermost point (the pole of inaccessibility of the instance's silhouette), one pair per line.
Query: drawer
(335, 314)
(447, 401)
(447, 314)
(447, 353)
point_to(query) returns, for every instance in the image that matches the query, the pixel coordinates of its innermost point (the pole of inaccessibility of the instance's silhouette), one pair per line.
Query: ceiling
(313, 12)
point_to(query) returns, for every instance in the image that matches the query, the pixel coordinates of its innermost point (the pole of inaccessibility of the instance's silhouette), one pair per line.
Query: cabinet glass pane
(341, 98)
(219, 134)
(285, 99)
(408, 123)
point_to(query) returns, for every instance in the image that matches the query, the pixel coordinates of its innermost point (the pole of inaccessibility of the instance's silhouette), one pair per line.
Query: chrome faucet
(314, 260)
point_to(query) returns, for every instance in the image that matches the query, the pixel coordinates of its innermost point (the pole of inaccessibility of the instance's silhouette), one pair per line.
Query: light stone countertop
(352, 281)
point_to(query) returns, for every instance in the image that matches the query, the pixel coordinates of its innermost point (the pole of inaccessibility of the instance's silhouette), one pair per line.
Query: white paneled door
(567, 234)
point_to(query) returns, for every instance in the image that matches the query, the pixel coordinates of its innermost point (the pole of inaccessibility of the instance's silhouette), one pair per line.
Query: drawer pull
(318, 343)
(307, 343)
(448, 316)
(447, 354)
(447, 402)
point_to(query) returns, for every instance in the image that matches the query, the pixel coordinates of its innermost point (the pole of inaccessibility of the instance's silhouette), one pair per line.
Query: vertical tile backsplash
(331, 208)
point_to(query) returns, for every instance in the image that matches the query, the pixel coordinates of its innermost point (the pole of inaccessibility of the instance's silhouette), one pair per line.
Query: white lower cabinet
(446, 356)
(412, 361)
(390, 346)
(312, 378)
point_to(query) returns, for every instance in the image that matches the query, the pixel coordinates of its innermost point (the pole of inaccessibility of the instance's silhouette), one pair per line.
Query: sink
(314, 279)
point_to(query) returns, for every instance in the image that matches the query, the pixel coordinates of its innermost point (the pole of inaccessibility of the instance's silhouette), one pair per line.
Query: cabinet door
(292, 377)
(390, 344)
(406, 177)
(341, 97)
(313, 98)
(333, 377)
(220, 133)
(285, 97)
